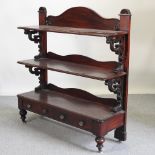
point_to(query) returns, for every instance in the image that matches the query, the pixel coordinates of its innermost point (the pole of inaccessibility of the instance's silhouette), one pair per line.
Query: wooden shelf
(72, 100)
(78, 31)
(72, 106)
(76, 65)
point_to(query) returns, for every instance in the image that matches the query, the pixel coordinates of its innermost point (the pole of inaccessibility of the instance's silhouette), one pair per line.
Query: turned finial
(125, 12)
(42, 10)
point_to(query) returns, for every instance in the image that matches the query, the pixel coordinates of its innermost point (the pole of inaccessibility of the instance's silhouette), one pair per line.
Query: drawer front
(58, 114)
(71, 119)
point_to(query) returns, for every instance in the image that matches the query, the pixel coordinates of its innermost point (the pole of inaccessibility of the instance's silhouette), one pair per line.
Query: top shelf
(78, 31)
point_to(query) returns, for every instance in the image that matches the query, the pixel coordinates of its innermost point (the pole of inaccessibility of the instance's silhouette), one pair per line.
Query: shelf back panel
(81, 17)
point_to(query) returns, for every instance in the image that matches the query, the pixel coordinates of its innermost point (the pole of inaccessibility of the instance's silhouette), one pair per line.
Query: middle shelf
(77, 65)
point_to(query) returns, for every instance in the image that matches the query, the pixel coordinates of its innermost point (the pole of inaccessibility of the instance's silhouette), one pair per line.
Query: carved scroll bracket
(35, 36)
(115, 86)
(37, 72)
(117, 46)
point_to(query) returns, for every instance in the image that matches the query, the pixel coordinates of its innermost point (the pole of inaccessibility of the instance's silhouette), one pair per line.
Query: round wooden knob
(62, 117)
(28, 106)
(44, 111)
(81, 123)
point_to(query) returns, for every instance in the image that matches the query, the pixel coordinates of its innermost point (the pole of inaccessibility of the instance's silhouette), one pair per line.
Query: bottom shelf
(72, 106)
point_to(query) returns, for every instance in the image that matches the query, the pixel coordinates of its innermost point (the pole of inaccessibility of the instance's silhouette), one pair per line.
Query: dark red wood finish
(43, 44)
(74, 100)
(72, 30)
(125, 25)
(77, 65)
(81, 17)
(74, 106)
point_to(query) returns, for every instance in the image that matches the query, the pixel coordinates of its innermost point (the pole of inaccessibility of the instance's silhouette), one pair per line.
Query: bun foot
(99, 141)
(23, 113)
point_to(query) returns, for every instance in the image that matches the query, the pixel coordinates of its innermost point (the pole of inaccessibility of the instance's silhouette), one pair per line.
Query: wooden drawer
(58, 114)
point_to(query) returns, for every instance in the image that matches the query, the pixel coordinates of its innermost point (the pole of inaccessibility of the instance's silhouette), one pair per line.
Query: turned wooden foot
(120, 133)
(23, 113)
(99, 141)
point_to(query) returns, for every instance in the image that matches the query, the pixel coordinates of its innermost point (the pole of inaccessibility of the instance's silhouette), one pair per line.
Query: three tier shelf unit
(72, 106)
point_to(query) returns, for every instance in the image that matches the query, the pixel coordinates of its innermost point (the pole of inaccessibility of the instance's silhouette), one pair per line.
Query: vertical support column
(125, 22)
(43, 45)
(42, 21)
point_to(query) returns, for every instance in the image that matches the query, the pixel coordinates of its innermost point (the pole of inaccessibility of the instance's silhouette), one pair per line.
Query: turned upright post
(125, 23)
(43, 45)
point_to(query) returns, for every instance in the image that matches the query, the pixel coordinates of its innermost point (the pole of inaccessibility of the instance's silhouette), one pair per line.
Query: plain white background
(14, 45)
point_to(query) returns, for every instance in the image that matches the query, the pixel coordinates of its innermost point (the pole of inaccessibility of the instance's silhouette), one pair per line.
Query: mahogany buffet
(72, 106)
